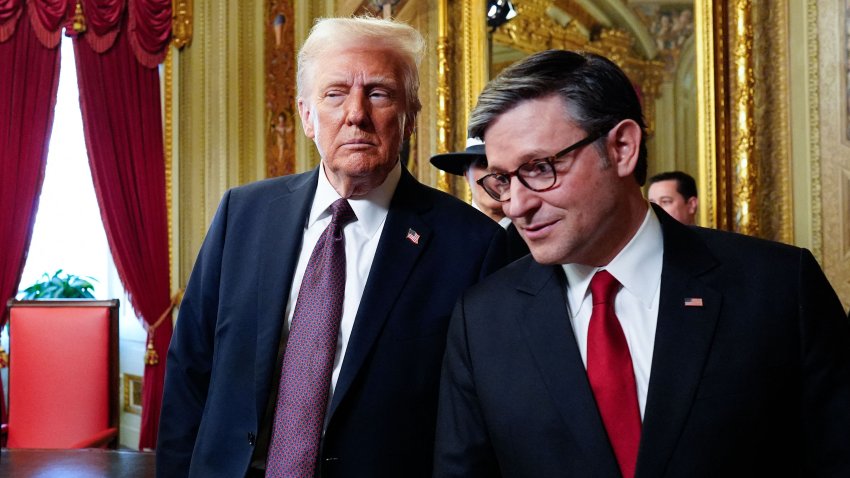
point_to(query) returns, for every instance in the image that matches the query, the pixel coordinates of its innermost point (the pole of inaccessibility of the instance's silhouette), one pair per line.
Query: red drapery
(29, 78)
(120, 101)
(119, 96)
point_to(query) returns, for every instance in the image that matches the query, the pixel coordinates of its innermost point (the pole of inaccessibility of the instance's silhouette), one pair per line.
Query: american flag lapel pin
(413, 236)
(693, 302)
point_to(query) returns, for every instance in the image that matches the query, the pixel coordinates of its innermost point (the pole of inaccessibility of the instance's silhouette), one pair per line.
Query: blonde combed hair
(331, 33)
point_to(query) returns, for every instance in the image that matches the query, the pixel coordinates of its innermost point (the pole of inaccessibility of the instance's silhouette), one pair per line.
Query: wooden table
(84, 463)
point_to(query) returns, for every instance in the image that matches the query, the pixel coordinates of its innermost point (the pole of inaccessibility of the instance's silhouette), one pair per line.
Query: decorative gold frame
(132, 391)
(707, 119)
(740, 189)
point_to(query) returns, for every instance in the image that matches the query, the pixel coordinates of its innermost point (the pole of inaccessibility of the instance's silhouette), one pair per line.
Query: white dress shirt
(361, 242)
(638, 268)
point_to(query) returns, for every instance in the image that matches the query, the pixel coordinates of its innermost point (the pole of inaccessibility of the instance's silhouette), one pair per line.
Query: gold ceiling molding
(534, 30)
(577, 13)
(181, 23)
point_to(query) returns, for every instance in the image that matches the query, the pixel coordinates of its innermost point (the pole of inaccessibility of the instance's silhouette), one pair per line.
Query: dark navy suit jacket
(222, 358)
(755, 382)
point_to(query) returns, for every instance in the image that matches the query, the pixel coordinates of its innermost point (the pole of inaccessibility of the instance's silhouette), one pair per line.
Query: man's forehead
(664, 188)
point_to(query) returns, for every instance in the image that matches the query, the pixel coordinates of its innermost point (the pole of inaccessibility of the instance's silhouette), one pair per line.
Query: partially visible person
(311, 334)
(472, 165)
(629, 345)
(676, 193)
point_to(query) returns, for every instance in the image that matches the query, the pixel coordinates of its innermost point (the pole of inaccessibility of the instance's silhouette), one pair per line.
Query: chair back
(63, 373)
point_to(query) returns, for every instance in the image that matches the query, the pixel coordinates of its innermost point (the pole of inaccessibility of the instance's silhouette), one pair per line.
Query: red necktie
(611, 376)
(310, 349)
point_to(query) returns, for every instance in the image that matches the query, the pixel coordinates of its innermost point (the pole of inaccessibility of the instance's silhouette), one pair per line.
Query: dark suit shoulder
(523, 275)
(273, 187)
(748, 251)
(454, 210)
(453, 220)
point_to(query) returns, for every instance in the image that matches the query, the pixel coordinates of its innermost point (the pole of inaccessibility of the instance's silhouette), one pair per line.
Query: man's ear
(624, 146)
(409, 125)
(693, 204)
(305, 111)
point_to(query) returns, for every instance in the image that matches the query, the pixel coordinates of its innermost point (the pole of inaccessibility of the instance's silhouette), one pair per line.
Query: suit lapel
(395, 258)
(283, 221)
(682, 343)
(546, 326)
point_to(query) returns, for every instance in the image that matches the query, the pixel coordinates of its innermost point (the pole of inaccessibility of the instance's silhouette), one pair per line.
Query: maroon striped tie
(308, 361)
(611, 376)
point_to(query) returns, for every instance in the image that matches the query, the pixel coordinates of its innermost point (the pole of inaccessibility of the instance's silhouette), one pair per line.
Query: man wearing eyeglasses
(472, 165)
(629, 344)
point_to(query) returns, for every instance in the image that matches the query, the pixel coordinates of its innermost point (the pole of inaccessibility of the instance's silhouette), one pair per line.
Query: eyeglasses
(537, 174)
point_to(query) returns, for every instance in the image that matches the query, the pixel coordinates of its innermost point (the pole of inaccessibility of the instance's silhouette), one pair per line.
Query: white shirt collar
(371, 209)
(637, 266)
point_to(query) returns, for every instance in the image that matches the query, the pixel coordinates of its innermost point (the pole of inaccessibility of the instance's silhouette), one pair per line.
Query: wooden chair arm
(98, 440)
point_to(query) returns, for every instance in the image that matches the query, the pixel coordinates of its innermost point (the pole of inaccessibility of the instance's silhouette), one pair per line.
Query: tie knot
(603, 287)
(341, 212)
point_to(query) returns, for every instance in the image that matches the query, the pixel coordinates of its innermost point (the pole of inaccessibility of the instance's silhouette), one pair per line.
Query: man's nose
(522, 201)
(356, 108)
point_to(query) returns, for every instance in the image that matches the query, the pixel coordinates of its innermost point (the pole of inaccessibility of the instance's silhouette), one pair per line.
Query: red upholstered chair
(63, 374)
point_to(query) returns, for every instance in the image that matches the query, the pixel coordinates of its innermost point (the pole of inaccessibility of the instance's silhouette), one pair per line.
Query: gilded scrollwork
(813, 87)
(444, 122)
(181, 24)
(535, 29)
(771, 114)
(745, 165)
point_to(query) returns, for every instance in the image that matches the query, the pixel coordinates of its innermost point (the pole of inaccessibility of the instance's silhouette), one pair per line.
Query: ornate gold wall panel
(534, 29)
(834, 148)
(281, 113)
(181, 25)
(772, 134)
(443, 92)
(221, 124)
(753, 155)
(812, 174)
(708, 93)
(744, 164)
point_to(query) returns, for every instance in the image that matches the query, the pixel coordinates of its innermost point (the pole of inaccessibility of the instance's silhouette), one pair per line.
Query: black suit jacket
(222, 357)
(756, 382)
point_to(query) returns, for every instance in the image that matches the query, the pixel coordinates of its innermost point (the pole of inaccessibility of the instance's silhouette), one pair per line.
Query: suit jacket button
(331, 459)
(252, 439)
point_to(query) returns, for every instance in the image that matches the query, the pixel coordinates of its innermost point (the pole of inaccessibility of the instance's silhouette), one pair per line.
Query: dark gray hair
(596, 94)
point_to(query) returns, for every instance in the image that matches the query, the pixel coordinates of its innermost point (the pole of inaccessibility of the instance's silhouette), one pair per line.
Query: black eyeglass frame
(590, 138)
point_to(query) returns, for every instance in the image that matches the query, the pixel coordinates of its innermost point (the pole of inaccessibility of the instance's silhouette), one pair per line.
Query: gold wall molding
(181, 23)
(704, 20)
(220, 118)
(282, 118)
(168, 140)
(744, 164)
(771, 113)
(834, 154)
(753, 150)
(444, 72)
(813, 88)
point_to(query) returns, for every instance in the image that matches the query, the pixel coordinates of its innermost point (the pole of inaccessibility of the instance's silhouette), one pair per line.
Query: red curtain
(29, 78)
(120, 100)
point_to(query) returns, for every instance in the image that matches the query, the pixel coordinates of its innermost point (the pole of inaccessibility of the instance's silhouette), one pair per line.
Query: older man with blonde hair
(310, 337)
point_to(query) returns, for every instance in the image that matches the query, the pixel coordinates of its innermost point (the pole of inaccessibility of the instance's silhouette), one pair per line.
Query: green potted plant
(60, 286)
